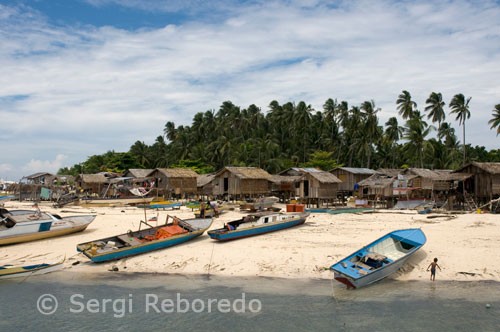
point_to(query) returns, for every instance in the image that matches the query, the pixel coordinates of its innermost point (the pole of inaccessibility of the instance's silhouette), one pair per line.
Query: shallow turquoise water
(130, 302)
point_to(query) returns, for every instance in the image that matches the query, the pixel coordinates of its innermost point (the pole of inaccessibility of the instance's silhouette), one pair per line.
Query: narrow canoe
(256, 224)
(146, 240)
(9, 271)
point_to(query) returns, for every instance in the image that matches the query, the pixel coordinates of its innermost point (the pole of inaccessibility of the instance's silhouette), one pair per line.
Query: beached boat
(160, 205)
(349, 210)
(258, 223)
(317, 210)
(28, 225)
(379, 259)
(121, 201)
(10, 271)
(138, 242)
(259, 204)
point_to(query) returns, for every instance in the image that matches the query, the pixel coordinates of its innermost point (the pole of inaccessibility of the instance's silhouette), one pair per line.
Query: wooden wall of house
(254, 186)
(237, 186)
(179, 185)
(486, 185)
(317, 189)
(348, 179)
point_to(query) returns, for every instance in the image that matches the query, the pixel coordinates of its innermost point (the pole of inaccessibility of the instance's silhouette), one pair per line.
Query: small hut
(92, 183)
(137, 173)
(350, 177)
(484, 182)
(175, 181)
(240, 182)
(284, 186)
(42, 178)
(314, 183)
(205, 185)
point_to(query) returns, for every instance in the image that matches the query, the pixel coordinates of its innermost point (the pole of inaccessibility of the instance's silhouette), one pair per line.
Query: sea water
(153, 302)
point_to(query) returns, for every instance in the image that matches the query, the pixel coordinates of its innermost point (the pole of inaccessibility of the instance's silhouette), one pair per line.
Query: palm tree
(495, 121)
(370, 127)
(460, 106)
(435, 107)
(301, 125)
(406, 106)
(415, 132)
(393, 133)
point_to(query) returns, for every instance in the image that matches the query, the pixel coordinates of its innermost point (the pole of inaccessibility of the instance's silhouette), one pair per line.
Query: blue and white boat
(26, 225)
(258, 223)
(146, 240)
(379, 259)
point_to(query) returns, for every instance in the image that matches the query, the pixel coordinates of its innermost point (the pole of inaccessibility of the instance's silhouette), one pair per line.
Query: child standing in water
(433, 266)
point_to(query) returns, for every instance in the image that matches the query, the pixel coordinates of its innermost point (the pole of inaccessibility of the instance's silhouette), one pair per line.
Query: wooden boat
(160, 205)
(379, 259)
(122, 201)
(9, 271)
(317, 210)
(27, 225)
(349, 210)
(259, 204)
(138, 242)
(258, 223)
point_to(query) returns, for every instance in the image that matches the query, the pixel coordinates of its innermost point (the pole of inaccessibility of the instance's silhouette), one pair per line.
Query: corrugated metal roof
(356, 170)
(307, 169)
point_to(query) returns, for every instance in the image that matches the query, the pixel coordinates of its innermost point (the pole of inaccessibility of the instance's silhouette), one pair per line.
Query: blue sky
(80, 77)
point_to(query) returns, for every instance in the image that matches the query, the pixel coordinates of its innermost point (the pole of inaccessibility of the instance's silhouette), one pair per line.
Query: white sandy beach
(467, 243)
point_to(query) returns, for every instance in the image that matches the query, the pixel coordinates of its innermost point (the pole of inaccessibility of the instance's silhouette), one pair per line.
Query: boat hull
(46, 229)
(201, 225)
(102, 202)
(141, 249)
(23, 272)
(388, 250)
(370, 278)
(263, 229)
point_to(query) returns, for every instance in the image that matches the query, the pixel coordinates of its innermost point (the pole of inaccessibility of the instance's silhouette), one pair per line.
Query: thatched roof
(390, 171)
(176, 172)
(454, 177)
(91, 178)
(356, 170)
(138, 173)
(254, 173)
(377, 181)
(281, 179)
(424, 173)
(325, 177)
(492, 168)
(204, 179)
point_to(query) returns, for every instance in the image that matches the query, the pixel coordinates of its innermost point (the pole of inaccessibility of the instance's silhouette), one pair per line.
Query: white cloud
(104, 88)
(45, 165)
(5, 168)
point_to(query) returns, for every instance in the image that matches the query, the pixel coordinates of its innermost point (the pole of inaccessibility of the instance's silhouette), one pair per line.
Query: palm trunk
(464, 143)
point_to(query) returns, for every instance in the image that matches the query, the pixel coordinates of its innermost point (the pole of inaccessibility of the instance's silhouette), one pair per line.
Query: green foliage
(322, 160)
(196, 165)
(288, 135)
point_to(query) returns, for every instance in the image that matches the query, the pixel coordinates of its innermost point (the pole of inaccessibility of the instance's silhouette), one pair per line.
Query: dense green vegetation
(297, 135)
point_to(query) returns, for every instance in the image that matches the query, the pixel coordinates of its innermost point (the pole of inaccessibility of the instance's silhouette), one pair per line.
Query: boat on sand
(378, 259)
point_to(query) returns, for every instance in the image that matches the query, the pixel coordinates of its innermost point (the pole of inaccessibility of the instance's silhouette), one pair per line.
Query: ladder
(470, 201)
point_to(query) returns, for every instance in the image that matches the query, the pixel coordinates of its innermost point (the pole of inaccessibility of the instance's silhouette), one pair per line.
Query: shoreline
(465, 243)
